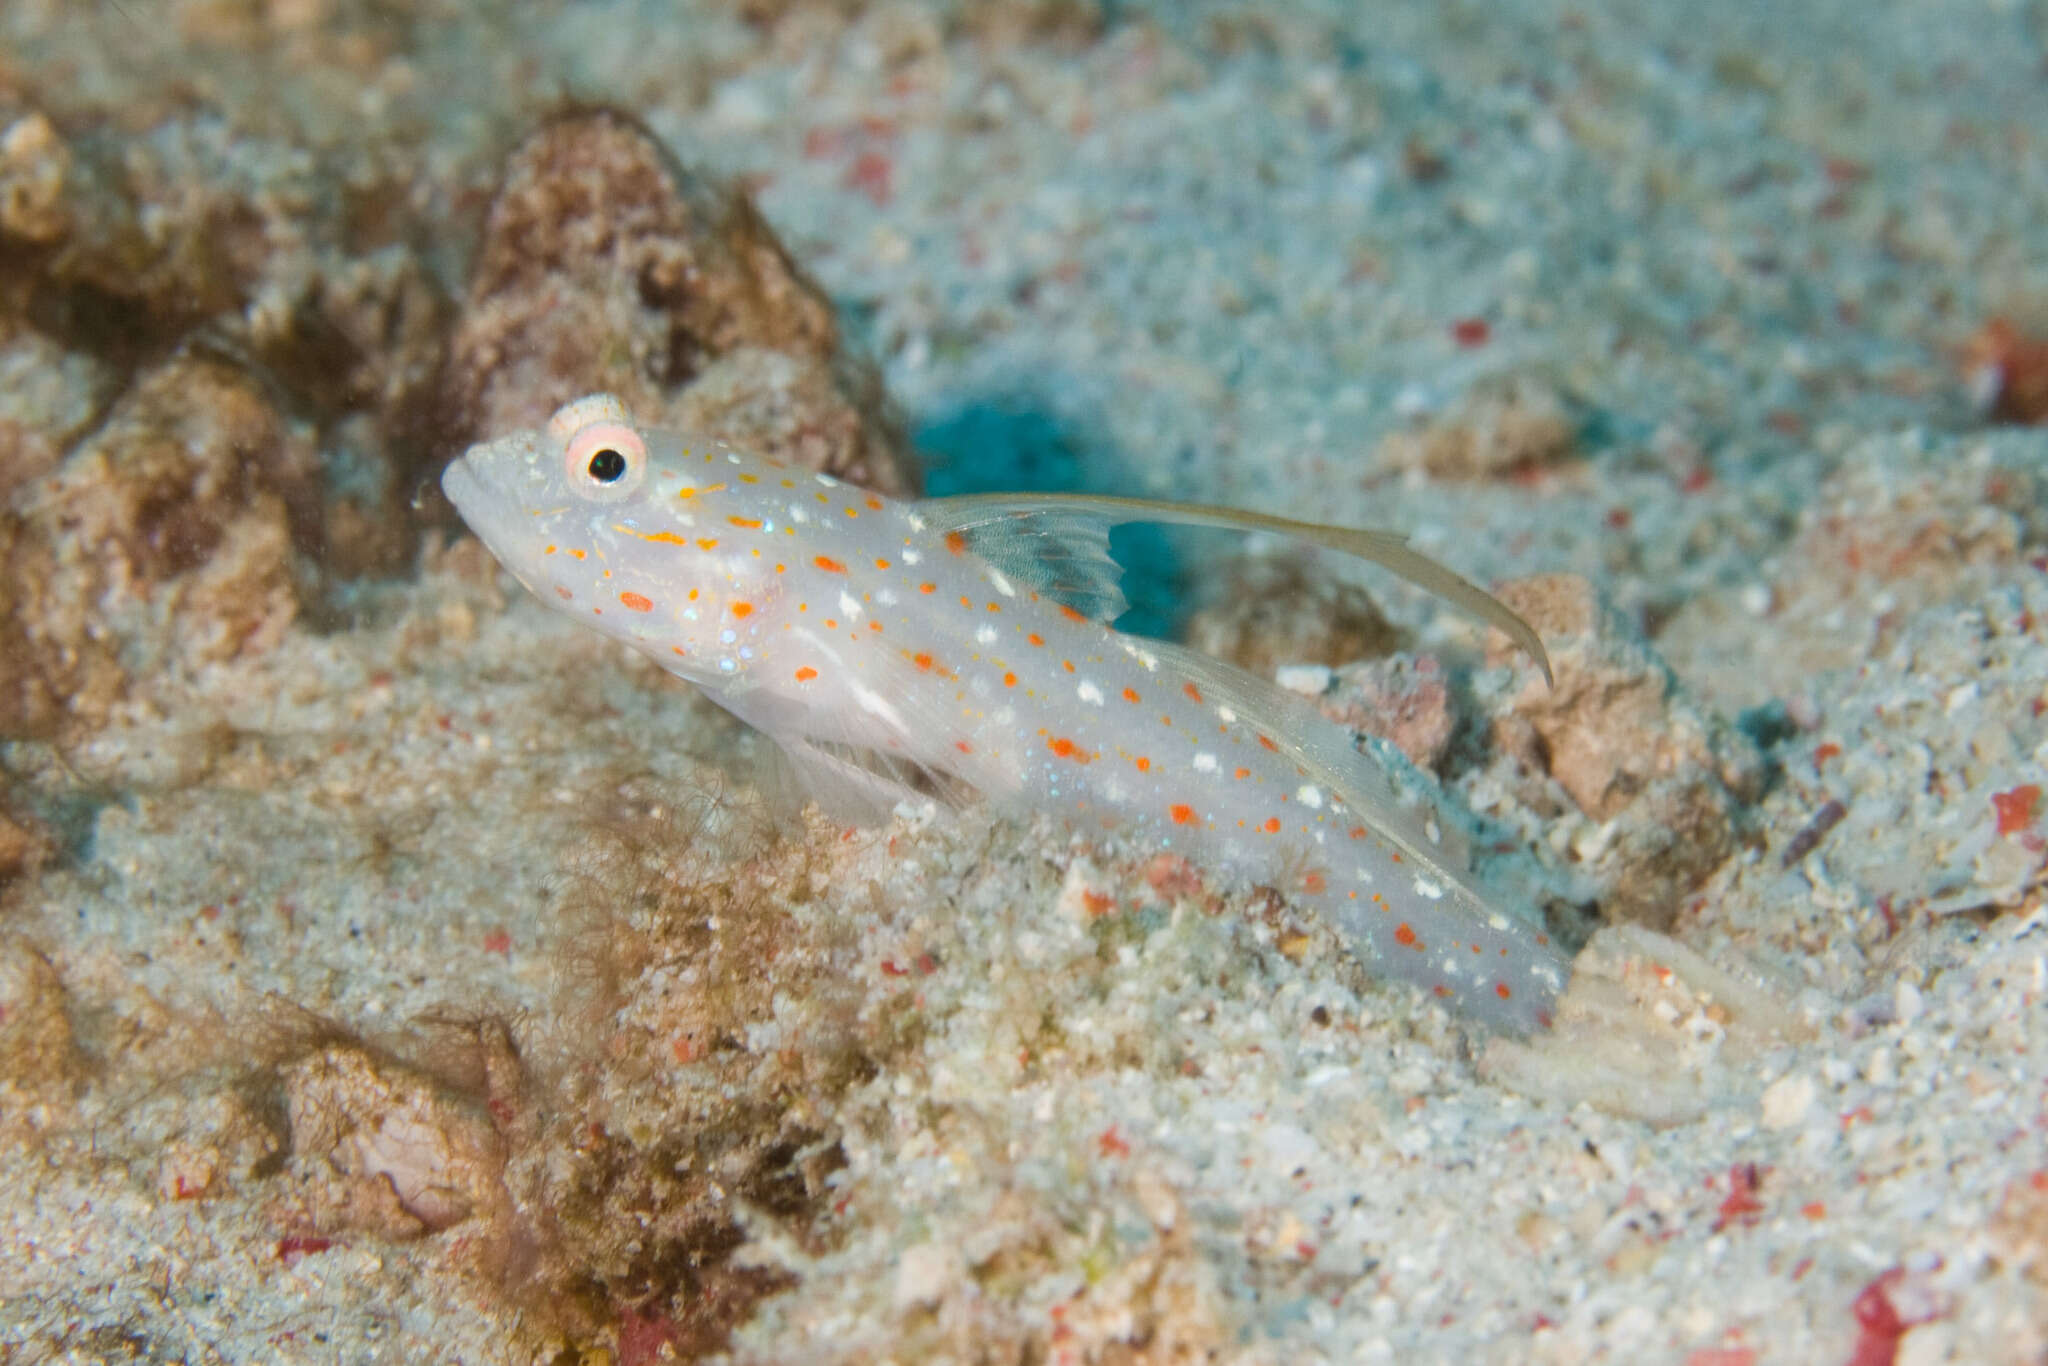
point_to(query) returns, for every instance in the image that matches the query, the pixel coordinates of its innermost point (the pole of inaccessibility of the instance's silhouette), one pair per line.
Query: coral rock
(606, 265)
(1271, 611)
(1403, 699)
(1628, 747)
(386, 1151)
(1497, 430)
(36, 1045)
(166, 537)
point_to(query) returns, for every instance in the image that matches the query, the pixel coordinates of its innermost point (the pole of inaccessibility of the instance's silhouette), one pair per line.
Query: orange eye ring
(605, 461)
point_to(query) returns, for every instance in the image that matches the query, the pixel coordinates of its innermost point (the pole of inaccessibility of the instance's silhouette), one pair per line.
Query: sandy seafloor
(1235, 253)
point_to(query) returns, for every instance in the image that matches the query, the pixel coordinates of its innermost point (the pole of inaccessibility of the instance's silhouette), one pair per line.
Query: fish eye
(605, 460)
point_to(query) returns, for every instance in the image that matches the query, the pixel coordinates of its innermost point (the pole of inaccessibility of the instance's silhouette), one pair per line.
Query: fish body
(874, 640)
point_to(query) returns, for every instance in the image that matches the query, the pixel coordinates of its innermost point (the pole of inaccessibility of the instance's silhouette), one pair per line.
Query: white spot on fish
(1002, 585)
(1140, 653)
(886, 596)
(827, 480)
(985, 635)
(1310, 796)
(911, 557)
(849, 605)
(1226, 716)
(875, 704)
(1433, 890)
(797, 515)
(1088, 692)
(1205, 762)
(731, 458)
(916, 522)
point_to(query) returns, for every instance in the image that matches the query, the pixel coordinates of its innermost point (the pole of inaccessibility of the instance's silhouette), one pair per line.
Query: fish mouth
(462, 488)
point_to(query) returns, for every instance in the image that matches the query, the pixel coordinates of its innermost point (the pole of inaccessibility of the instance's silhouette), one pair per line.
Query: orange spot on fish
(680, 651)
(852, 511)
(665, 538)
(1071, 615)
(1064, 748)
(1405, 937)
(746, 523)
(927, 588)
(1067, 664)
(995, 607)
(1358, 832)
(1130, 694)
(923, 662)
(1182, 813)
(564, 594)
(707, 543)
(1314, 883)
(1272, 825)
(956, 543)
(578, 554)
(963, 747)
(881, 564)
(1035, 638)
(1144, 764)
(1500, 989)
(1241, 773)
(806, 674)
(636, 602)
(829, 565)
(743, 609)
(1009, 680)
(874, 504)
(1267, 741)
(549, 550)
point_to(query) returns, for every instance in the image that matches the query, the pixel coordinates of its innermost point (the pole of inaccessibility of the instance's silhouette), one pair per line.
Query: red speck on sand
(1721, 1356)
(1741, 1206)
(2016, 807)
(1470, 333)
(294, 1246)
(1880, 1322)
(871, 174)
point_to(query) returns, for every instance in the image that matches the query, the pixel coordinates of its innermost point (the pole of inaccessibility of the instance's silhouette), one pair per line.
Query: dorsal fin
(1055, 544)
(1058, 543)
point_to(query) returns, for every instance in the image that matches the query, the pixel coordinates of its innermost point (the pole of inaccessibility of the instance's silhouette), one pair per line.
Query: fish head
(597, 517)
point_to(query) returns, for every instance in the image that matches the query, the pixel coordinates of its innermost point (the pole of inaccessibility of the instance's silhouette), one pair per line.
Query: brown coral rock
(1403, 699)
(165, 538)
(1280, 610)
(36, 1045)
(607, 266)
(1497, 430)
(384, 1150)
(1628, 747)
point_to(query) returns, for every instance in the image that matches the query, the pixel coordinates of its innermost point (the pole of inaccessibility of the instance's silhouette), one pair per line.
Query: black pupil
(607, 465)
